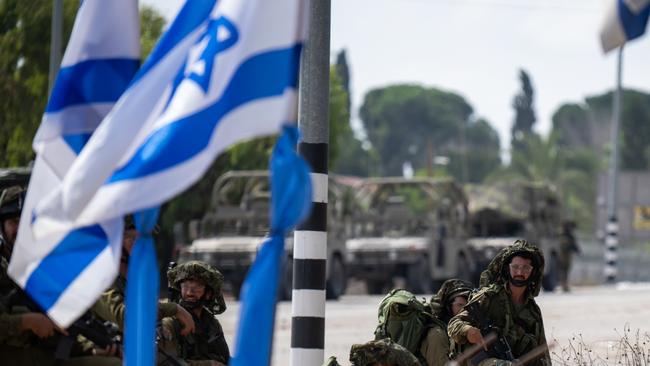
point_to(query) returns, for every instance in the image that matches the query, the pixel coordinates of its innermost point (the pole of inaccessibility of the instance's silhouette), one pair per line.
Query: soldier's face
(457, 304)
(192, 290)
(520, 268)
(10, 229)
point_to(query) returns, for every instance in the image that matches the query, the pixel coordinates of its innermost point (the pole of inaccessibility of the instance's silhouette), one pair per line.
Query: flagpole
(611, 238)
(310, 237)
(55, 42)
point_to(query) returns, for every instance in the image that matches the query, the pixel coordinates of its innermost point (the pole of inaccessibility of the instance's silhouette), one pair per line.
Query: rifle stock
(500, 348)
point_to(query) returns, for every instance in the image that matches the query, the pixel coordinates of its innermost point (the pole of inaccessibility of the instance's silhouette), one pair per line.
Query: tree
(480, 155)
(524, 111)
(343, 73)
(411, 123)
(571, 126)
(25, 31)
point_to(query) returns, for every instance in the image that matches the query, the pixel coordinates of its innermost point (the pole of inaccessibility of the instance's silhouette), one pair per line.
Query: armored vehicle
(237, 223)
(409, 228)
(506, 211)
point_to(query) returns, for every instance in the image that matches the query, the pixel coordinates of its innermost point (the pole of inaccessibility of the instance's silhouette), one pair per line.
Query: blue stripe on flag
(91, 81)
(265, 75)
(64, 264)
(633, 24)
(193, 14)
(77, 142)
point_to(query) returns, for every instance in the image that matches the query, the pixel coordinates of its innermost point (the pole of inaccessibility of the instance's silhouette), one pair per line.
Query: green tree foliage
(413, 123)
(25, 28)
(524, 111)
(571, 126)
(343, 73)
(151, 27)
(634, 139)
(25, 32)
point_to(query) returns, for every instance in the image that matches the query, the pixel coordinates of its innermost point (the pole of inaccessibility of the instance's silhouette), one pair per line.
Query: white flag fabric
(232, 77)
(66, 272)
(625, 20)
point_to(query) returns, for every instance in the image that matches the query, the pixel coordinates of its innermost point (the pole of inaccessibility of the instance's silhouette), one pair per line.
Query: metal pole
(310, 237)
(55, 43)
(611, 237)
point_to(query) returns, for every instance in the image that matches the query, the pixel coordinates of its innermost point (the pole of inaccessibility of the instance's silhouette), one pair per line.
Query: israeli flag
(625, 20)
(212, 81)
(66, 272)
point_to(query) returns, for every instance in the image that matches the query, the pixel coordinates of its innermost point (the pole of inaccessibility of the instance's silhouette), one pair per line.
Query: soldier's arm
(10, 326)
(458, 327)
(110, 306)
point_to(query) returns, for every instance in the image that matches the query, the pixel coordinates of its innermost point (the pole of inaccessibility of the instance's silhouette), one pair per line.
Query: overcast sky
(475, 48)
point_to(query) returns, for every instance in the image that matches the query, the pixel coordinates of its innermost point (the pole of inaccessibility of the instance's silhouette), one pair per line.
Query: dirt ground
(593, 318)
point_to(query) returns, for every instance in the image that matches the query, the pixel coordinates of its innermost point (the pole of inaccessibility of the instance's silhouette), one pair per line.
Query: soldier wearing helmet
(507, 300)
(11, 205)
(196, 286)
(449, 301)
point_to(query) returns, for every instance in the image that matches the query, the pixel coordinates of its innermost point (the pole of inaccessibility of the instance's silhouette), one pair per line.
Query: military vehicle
(409, 228)
(503, 212)
(231, 232)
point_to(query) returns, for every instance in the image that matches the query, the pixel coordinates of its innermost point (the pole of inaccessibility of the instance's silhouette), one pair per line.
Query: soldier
(568, 246)
(111, 306)
(383, 352)
(29, 338)
(197, 287)
(448, 302)
(506, 300)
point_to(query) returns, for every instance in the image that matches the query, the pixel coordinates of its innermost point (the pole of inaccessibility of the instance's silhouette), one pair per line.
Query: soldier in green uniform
(568, 246)
(111, 305)
(197, 287)
(507, 299)
(26, 337)
(382, 352)
(449, 300)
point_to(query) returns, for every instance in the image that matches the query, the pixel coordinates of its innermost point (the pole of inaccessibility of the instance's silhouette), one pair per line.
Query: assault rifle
(102, 334)
(500, 348)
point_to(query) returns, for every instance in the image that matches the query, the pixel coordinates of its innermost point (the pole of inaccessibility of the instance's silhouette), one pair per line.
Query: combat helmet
(383, 351)
(440, 303)
(12, 200)
(196, 270)
(498, 271)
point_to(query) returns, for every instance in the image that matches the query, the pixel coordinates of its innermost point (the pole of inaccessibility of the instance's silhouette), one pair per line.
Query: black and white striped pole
(310, 237)
(611, 232)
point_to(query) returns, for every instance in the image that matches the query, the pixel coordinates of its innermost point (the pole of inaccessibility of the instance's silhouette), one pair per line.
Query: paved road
(596, 313)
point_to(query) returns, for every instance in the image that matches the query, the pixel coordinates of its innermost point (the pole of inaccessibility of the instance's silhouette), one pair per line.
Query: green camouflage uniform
(111, 305)
(568, 246)
(208, 342)
(384, 352)
(521, 325)
(436, 348)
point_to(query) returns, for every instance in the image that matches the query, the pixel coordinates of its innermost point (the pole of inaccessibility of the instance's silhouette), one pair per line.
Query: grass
(632, 348)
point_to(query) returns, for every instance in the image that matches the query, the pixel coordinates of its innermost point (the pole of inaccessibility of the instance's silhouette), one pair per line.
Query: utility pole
(611, 237)
(55, 42)
(310, 237)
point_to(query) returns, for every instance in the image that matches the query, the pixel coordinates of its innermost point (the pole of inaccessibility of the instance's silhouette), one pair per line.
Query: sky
(475, 48)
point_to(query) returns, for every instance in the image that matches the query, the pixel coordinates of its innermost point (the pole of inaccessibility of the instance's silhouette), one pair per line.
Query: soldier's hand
(109, 351)
(186, 319)
(474, 336)
(40, 324)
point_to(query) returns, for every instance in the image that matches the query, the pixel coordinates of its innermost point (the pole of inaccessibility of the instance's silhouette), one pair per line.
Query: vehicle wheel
(375, 287)
(418, 277)
(286, 281)
(550, 279)
(337, 282)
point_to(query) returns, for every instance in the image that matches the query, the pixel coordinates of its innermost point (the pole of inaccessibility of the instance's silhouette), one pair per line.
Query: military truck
(503, 212)
(413, 229)
(237, 223)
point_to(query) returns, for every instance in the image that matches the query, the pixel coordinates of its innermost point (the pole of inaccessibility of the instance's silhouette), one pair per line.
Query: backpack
(404, 319)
